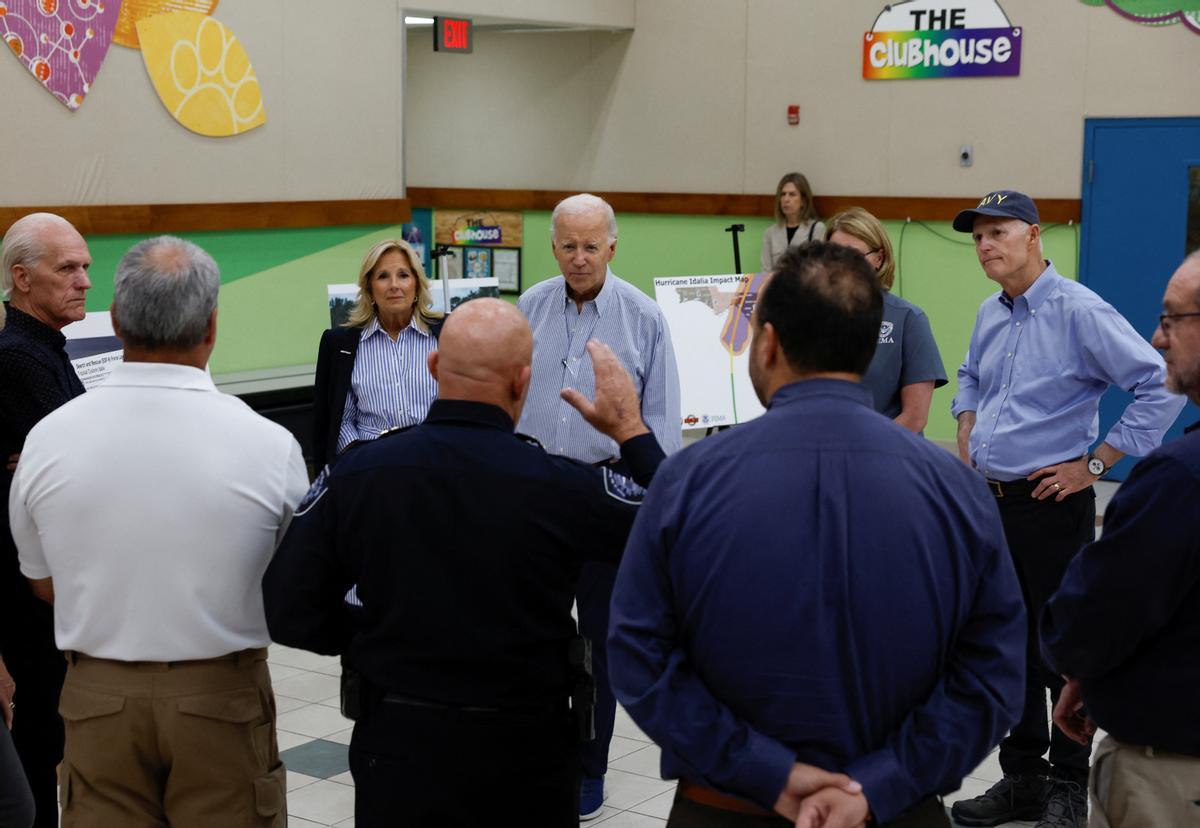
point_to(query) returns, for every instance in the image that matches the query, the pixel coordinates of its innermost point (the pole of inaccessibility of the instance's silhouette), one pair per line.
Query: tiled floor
(313, 737)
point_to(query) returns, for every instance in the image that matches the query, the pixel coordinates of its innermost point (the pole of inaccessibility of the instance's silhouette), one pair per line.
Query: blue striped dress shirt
(391, 386)
(1036, 368)
(630, 323)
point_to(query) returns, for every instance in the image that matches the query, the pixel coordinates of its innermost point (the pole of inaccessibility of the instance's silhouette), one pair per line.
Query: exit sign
(453, 34)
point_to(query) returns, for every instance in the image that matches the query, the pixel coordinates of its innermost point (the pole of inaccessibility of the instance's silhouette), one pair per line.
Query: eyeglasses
(1164, 319)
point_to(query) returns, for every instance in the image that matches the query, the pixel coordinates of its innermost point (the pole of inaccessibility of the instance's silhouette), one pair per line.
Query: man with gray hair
(588, 302)
(44, 279)
(146, 512)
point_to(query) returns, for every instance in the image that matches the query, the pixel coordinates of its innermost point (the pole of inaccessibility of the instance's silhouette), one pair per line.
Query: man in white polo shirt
(147, 512)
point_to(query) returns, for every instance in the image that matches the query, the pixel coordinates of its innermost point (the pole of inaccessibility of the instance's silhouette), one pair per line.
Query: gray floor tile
(319, 758)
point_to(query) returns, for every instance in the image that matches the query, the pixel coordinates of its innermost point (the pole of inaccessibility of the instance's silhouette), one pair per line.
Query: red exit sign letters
(453, 34)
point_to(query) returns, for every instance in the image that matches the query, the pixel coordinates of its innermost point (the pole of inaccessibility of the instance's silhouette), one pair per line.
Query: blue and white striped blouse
(390, 386)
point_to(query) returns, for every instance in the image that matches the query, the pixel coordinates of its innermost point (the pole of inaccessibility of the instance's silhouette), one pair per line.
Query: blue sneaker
(591, 797)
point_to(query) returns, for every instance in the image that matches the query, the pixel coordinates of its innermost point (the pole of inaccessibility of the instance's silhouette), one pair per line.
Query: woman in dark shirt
(907, 365)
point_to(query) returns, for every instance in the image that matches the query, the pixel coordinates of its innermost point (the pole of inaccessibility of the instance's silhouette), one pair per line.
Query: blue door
(1140, 175)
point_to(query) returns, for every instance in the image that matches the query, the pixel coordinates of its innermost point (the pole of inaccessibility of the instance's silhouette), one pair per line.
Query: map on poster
(709, 318)
(93, 348)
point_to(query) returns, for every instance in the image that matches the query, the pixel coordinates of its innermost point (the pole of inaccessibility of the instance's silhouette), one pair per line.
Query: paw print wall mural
(202, 74)
(197, 66)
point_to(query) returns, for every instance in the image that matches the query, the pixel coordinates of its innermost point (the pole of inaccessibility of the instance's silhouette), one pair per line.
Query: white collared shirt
(155, 503)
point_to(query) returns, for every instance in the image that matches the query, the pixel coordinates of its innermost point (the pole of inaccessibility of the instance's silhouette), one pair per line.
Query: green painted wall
(273, 298)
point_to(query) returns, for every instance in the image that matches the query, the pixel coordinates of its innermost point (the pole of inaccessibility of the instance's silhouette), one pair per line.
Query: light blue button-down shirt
(630, 323)
(1036, 368)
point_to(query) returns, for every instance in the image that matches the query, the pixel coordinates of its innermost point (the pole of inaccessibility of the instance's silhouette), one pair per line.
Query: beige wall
(614, 14)
(332, 90)
(694, 99)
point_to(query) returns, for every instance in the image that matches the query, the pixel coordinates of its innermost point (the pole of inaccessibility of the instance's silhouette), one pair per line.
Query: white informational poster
(342, 298)
(463, 290)
(93, 347)
(506, 267)
(709, 318)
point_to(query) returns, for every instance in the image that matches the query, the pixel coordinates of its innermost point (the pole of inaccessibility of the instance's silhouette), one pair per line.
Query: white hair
(23, 245)
(581, 205)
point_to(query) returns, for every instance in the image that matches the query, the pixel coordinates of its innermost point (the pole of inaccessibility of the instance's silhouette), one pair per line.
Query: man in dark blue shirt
(45, 278)
(818, 586)
(1124, 626)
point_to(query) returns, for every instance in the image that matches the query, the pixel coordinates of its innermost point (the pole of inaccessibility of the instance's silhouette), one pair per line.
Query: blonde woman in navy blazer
(796, 220)
(371, 373)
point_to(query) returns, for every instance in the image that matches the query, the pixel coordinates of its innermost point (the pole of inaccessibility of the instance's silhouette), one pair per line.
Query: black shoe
(1013, 797)
(1067, 807)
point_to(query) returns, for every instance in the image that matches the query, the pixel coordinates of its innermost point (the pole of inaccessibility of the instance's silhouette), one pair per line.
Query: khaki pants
(1136, 787)
(187, 743)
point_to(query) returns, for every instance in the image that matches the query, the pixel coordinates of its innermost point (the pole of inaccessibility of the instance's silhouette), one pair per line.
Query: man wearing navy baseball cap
(1043, 351)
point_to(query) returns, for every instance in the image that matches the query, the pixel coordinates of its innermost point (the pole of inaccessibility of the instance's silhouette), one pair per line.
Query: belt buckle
(997, 488)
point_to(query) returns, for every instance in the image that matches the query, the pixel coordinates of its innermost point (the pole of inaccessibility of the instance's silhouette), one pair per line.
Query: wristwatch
(1096, 466)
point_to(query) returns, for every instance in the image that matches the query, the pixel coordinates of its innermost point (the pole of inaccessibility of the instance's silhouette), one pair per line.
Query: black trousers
(16, 802)
(38, 668)
(593, 596)
(419, 767)
(928, 813)
(1043, 536)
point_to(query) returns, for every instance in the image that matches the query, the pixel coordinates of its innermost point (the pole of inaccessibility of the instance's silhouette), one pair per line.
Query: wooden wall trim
(142, 219)
(710, 204)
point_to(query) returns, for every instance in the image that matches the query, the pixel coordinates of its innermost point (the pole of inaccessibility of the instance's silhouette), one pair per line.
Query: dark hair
(809, 211)
(826, 307)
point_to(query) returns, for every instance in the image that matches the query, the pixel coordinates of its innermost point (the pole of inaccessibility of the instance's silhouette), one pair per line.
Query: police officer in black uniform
(465, 542)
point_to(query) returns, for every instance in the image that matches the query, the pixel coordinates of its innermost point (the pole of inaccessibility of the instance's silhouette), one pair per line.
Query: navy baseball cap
(1006, 203)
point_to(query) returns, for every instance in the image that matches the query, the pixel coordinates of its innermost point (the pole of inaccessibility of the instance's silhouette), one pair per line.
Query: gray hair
(164, 293)
(581, 205)
(23, 245)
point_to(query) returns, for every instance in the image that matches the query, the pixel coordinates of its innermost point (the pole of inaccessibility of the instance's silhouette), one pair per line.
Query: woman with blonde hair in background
(907, 366)
(371, 372)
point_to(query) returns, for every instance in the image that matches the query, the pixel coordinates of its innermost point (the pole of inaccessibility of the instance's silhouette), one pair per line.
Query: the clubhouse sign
(941, 39)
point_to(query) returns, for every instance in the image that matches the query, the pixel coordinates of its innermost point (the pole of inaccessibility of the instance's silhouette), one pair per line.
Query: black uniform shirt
(465, 541)
(35, 374)
(36, 377)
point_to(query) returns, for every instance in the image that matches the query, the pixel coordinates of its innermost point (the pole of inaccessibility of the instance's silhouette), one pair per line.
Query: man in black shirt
(465, 541)
(45, 276)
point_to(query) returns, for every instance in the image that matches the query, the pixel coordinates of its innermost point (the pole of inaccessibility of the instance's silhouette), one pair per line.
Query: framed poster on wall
(506, 267)
(478, 263)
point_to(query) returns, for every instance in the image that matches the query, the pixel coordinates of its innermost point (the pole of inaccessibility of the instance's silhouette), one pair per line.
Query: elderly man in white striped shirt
(587, 301)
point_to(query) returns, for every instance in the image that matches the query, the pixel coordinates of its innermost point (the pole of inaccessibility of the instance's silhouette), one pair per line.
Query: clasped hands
(815, 798)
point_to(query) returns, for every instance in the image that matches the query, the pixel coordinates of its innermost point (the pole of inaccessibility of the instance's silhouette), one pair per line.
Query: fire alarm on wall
(793, 114)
